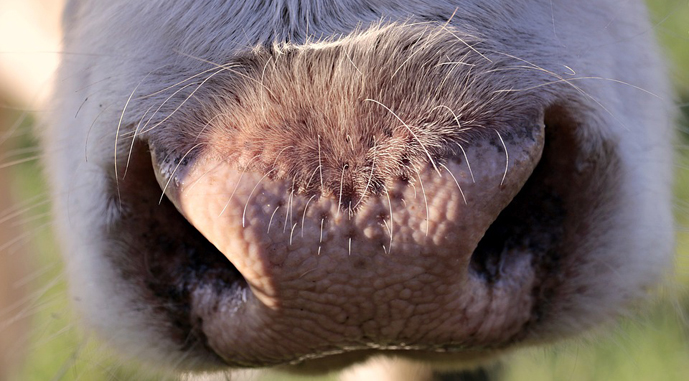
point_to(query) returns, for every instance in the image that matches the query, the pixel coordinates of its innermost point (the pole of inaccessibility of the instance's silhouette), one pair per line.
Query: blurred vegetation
(654, 346)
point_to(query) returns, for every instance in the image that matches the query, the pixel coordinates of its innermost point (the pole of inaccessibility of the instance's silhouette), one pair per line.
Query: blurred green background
(650, 345)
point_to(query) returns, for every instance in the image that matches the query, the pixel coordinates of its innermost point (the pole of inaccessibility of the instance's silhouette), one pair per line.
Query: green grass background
(650, 345)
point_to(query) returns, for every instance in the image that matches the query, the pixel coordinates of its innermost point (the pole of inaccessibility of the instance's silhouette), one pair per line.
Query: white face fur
(309, 185)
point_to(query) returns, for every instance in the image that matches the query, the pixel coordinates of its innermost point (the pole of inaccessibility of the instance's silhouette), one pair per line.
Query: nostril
(542, 218)
(531, 225)
(179, 263)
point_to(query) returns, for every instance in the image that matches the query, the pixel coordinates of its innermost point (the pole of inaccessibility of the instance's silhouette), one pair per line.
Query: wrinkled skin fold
(310, 186)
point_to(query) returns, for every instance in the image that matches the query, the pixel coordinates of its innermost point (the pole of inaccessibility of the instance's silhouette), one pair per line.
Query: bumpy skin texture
(310, 185)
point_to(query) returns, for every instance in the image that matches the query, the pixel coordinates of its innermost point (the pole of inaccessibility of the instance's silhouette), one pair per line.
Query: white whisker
(423, 147)
(507, 158)
(271, 218)
(456, 182)
(466, 159)
(303, 217)
(425, 201)
(239, 181)
(174, 171)
(246, 203)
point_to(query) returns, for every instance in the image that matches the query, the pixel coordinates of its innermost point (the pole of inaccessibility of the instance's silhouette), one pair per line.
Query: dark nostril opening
(534, 222)
(177, 261)
(184, 257)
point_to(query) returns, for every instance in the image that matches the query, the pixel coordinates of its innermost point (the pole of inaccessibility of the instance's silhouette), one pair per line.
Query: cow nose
(349, 195)
(429, 221)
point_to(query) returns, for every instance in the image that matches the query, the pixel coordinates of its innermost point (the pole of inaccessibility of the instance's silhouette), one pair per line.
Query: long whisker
(271, 218)
(290, 209)
(131, 146)
(145, 128)
(320, 240)
(339, 202)
(428, 154)
(230, 67)
(507, 158)
(117, 135)
(239, 181)
(246, 204)
(181, 160)
(370, 176)
(303, 217)
(425, 201)
(456, 182)
(467, 161)
(391, 227)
